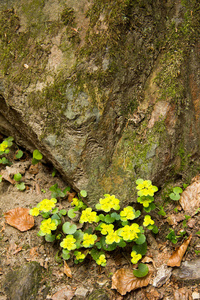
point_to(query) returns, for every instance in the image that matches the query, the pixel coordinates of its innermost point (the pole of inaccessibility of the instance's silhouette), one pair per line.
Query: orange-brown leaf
(176, 258)
(71, 196)
(19, 218)
(67, 270)
(124, 281)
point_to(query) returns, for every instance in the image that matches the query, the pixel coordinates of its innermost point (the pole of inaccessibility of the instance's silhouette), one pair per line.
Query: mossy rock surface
(103, 89)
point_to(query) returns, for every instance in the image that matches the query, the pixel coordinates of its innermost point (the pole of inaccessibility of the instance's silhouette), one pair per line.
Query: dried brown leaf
(6, 176)
(71, 196)
(34, 169)
(67, 270)
(124, 281)
(19, 218)
(190, 198)
(176, 258)
(64, 294)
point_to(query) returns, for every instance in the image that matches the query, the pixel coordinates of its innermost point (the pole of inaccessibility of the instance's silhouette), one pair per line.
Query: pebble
(189, 271)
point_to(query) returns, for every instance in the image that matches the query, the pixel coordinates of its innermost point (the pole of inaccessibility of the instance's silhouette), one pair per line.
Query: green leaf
(108, 219)
(53, 174)
(141, 271)
(141, 239)
(0, 178)
(177, 190)
(198, 232)
(45, 215)
(174, 196)
(89, 230)
(37, 155)
(98, 206)
(69, 228)
(41, 233)
(50, 237)
(17, 177)
(161, 211)
(19, 154)
(140, 249)
(95, 254)
(63, 212)
(137, 213)
(21, 186)
(67, 189)
(115, 216)
(150, 207)
(102, 217)
(55, 210)
(107, 247)
(122, 244)
(65, 254)
(71, 214)
(155, 229)
(83, 193)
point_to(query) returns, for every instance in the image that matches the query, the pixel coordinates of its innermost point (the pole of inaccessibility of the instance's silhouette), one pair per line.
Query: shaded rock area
(23, 283)
(107, 91)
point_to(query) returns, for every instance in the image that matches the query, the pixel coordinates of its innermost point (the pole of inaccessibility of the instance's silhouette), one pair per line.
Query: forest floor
(88, 280)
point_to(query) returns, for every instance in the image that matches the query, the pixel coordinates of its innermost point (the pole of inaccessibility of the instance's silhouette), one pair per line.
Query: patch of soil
(18, 248)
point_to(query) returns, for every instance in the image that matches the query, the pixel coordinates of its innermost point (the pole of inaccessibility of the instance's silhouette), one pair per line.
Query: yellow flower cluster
(89, 240)
(112, 237)
(48, 225)
(3, 146)
(129, 233)
(79, 255)
(106, 228)
(145, 188)
(127, 213)
(45, 206)
(145, 201)
(135, 257)
(108, 203)
(148, 221)
(101, 260)
(89, 216)
(68, 242)
(75, 202)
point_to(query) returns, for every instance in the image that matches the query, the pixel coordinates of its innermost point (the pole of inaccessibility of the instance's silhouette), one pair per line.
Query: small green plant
(172, 236)
(56, 191)
(175, 195)
(20, 185)
(102, 231)
(37, 156)
(19, 154)
(161, 211)
(184, 224)
(4, 150)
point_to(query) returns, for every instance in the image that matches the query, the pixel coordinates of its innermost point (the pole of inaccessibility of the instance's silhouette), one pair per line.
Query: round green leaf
(140, 249)
(177, 190)
(141, 239)
(174, 196)
(65, 254)
(108, 219)
(50, 238)
(71, 214)
(17, 177)
(139, 181)
(69, 228)
(19, 154)
(116, 216)
(21, 186)
(37, 155)
(141, 271)
(63, 212)
(83, 193)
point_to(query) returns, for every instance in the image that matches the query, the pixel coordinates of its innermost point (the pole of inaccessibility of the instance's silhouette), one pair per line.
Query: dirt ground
(17, 248)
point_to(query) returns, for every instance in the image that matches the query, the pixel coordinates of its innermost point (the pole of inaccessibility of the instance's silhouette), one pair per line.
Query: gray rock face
(188, 272)
(23, 283)
(101, 89)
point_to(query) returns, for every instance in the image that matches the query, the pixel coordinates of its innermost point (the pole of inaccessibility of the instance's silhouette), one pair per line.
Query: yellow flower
(48, 225)
(135, 257)
(89, 216)
(3, 146)
(101, 260)
(129, 232)
(68, 242)
(127, 213)
(105, 228)
(89, 240)
(148, 221)
(79, 255)
(146, 188)
(108, 203)
(34, 211)
(46, 205)
(112, 237)
(75, 202)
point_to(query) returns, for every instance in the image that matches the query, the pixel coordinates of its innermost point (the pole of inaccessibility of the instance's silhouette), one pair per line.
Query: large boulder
(108, 91)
